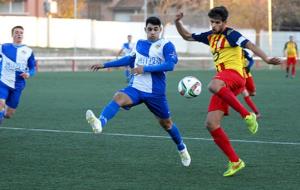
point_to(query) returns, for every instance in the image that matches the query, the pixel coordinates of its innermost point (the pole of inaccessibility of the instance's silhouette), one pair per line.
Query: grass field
(48, 144)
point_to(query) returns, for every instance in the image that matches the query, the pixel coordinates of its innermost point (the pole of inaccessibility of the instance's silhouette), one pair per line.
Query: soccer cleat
(93, 121)
(185, 157)
(234, 167)
(251, 123)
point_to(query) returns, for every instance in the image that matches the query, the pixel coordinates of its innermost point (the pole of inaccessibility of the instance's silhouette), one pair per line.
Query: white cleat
(185, 157)
(93, 121)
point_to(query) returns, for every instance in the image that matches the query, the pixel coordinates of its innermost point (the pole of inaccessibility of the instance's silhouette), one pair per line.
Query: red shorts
(234, 81)
(250, 85)
(291, 61)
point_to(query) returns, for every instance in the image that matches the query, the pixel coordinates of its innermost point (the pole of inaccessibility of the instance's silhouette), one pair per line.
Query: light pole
(211, 4)
(270, 25)
(145, 9)
(75, 17)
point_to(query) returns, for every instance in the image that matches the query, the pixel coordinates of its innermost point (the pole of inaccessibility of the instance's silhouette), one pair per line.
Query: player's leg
(2, 109)
(174, 133)
(159, 107)
(288, 64)
(213, 124)
(226, 85)
(294, 68)
(127, 74)
(250, 102)
(4, 91)
(250, 90)
(218, 87)
(122, 98)
(13, 101)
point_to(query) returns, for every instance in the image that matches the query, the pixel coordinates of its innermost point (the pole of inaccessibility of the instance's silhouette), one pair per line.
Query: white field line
(147, 136)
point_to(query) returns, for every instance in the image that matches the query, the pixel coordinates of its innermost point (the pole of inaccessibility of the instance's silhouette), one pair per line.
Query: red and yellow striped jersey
(291, 49)
(226, 48)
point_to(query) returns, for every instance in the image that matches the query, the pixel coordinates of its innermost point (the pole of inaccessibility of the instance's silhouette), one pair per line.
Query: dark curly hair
(218, 13)
(153, 20)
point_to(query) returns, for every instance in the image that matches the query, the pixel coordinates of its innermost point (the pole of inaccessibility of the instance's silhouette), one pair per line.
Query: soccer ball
(189, 87)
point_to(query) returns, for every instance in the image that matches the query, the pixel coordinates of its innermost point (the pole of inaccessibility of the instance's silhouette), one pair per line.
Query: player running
(126, 50)
(17, 64)
(226, 46)
(291, 52)
(150, 59)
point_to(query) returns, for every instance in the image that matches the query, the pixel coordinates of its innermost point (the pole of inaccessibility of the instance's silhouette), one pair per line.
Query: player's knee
(9, 113)
(166, 123)
(2, 104)
(121, 99)
(215, 85)
(211, 125)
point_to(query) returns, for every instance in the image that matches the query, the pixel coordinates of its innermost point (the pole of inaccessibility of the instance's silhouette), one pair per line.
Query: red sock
(293, 70)
(251, 104)
(226, 95)
(222, 140)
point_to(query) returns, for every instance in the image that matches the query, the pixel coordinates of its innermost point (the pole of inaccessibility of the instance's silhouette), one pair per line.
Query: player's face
(129, 38)
(217, 25)
(153, 32)
(17, 35)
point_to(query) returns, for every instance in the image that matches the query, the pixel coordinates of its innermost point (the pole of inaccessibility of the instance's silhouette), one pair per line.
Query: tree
(286, 15)
(250, 14)
(168, 8)
(66, 8)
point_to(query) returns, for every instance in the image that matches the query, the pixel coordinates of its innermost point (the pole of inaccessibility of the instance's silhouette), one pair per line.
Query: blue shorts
(10, 95)
(157, 104)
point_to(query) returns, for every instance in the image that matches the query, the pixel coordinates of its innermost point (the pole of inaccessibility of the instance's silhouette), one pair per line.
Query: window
(11, 7)
(123, 16)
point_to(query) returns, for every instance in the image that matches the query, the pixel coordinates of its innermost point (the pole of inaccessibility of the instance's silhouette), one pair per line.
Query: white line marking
(148, 136)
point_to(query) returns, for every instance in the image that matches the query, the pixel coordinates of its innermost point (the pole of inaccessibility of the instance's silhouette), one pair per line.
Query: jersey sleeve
(285, 46)
(31, 64)
(249, 58)
(169, 53)
(202, 37)
(171, 59)
(124, 61)
(236, 39)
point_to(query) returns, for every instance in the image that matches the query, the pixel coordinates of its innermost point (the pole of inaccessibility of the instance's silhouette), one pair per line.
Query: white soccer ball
(189, 87)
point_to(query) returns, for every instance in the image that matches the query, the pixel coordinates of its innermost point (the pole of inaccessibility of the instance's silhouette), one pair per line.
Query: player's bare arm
(185, 34)
(96, 67)
(257, 51)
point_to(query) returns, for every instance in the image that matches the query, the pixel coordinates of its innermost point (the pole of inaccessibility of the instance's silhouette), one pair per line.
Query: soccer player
(150, 59)
(226, 46)
(250, 89)
(291, 52)
(17, 64)
(126, 50)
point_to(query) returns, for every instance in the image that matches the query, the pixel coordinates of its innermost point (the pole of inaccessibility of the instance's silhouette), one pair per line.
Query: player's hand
(96, 67)
(179, 16)
(137, 70)
(275, 61)
(25, 75)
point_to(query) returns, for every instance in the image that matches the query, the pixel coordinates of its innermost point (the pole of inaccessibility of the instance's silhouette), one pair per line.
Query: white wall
(84, 33)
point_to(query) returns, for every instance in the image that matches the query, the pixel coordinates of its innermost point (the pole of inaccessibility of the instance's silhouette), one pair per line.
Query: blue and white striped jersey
(16, 59)
(156, 57)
